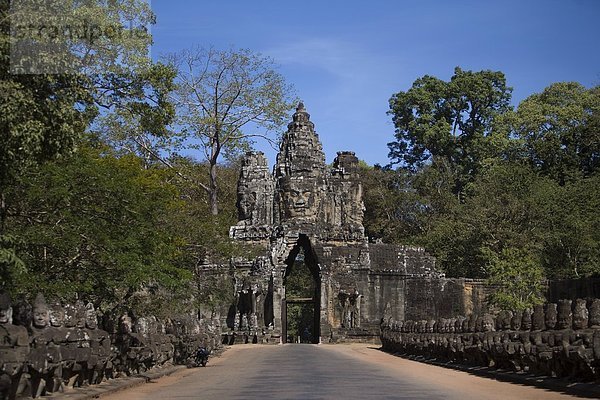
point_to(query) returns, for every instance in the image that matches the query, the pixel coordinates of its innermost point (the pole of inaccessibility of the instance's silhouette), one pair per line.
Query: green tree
(204, 238)
(221, 98)
(560, 130)
(518, 279)
(93, 225)
(394, 211)
(449, 122)
(501, 211)
(569, 225)
(52, 86)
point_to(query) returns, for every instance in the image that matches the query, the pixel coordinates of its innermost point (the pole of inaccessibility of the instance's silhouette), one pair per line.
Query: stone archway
(301, 305)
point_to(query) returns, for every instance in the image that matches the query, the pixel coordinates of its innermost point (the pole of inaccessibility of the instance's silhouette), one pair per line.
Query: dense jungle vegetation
(113, 187)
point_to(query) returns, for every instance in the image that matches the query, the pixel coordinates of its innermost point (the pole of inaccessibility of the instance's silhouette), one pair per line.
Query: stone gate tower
(306, 205)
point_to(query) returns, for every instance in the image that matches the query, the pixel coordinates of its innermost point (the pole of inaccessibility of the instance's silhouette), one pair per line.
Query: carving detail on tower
(302, 193)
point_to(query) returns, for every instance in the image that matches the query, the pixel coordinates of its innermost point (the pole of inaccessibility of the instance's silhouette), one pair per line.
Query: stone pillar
(253, 300)
(278, 295)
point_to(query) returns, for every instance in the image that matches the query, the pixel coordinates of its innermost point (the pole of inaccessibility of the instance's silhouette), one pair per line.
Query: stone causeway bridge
(307, 217)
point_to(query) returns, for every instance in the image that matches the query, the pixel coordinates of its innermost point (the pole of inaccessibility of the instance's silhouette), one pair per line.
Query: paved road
(324, 372)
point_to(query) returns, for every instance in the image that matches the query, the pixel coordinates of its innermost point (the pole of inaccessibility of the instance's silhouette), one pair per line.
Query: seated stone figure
(564, 318)
(56, 333)
(14, 350)
(594, 315)
(100, 347)
(580, 314)
(76, 346)
(124, 361)
(43, 360)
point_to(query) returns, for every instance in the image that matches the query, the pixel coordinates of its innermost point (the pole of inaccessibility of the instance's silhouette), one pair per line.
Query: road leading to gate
(324, 372)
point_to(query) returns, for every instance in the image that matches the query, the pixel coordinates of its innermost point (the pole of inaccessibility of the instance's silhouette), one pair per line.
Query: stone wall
(309, 206)
(46, 348)
(584, 288)
(559, 339)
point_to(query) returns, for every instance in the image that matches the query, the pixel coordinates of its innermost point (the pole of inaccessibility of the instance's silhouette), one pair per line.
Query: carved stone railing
(558, 340)
(56, 347)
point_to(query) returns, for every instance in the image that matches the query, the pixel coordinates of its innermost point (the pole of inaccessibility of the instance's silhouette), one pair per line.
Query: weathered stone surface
(551, 315)
(310, 207)
(564, 317)
(14, 350)
(538, 318)
(594, 314)
(256, 188)
(566, 351)
(65, 346)
(580, 314)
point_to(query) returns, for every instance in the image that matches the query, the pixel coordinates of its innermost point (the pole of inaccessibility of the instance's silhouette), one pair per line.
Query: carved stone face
(41, 317)
(515, 322)
(6, 315)
(538, 318)
(580, 315)
(141, 326)
(57, 315)
(298, 199)
(551, 315)
(487, 323)
(247, 205)
(70, 316)
(80, 314)
(565, 315)
(125, 324)
(527, 319)
(594, 313)
(91, 321)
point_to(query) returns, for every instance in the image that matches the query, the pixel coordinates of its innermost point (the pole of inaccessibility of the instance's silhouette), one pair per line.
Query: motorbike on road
(201, 357)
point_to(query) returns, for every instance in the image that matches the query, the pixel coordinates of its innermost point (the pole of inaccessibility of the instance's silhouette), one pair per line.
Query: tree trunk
(2, 212)
(215, 150)
(213, 194)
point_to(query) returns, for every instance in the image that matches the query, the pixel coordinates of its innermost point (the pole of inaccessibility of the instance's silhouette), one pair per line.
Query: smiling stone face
(41, 313)
(5, 309)
(91, 320)
(298, 198)
(57, 315)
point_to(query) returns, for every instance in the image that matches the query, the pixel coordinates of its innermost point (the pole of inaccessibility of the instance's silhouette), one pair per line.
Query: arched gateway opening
(301, 308)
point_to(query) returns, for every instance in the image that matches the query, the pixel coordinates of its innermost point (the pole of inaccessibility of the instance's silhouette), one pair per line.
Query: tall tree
(518, 279)
(560, 128)
(95, 225)
(394, 211)
(62, 63)
(449, 122)
(221, 98)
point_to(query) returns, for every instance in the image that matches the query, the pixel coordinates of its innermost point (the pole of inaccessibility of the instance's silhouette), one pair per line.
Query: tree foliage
(394, 211)
(92, 225)
(560, 130)
(221, 100)
(65, 81)
(450, 122)
(518, 278)
(218, 94)
(510, 196)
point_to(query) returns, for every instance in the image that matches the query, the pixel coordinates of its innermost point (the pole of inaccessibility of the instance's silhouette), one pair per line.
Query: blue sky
(346, 58)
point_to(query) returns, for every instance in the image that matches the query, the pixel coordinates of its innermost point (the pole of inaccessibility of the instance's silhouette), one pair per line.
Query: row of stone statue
(567, 314)
(46, 348)
(553, 340)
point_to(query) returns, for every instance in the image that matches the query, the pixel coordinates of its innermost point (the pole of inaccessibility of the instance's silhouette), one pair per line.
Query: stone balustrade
(47, 348)
(559, 340)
